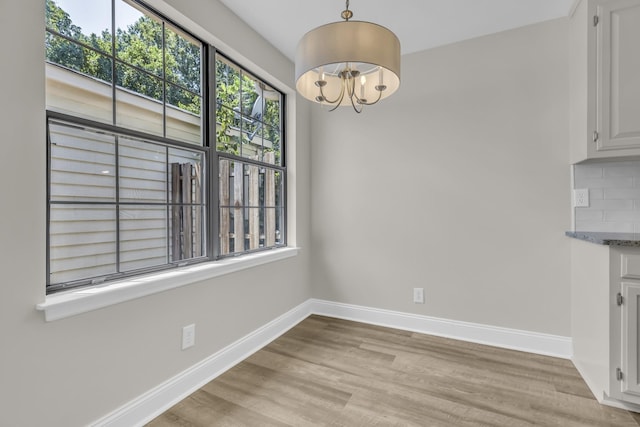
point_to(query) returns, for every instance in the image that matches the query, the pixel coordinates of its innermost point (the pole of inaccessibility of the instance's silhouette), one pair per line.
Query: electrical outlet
(418, 295)
(581, 198)
(188, 336)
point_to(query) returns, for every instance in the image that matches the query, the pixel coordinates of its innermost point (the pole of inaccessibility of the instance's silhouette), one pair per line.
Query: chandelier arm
(351, 85)
(339, 98)
(336, 106)
(353, 104)
(353, 95)
(374, 102)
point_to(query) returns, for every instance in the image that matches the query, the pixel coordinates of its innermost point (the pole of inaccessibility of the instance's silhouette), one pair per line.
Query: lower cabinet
(627, 374)
(606, 321)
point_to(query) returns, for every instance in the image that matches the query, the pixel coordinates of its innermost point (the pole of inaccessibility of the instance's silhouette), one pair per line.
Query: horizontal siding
(81, 273)
(82, 165)
(66, 192)
(72, 228)
(143, 244)
(83, 237)
(86, 238)
(85, 263)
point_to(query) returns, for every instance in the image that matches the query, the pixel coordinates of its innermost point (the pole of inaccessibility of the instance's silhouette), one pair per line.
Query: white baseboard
(606, 400)
(157, 400)
(531, 342)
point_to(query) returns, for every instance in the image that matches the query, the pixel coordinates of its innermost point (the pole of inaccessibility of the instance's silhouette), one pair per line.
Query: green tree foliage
(172, 56)
(140, 45)
(58, 49)
(237, 93)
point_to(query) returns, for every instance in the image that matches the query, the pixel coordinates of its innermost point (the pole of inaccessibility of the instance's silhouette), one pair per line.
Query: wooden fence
(244, 183)
(186, 219)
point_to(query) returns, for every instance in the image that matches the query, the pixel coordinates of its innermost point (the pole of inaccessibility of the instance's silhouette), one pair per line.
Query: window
(147, 168)
(248, 136)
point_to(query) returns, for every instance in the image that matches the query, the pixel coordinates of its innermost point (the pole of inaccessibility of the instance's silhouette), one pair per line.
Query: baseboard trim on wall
(157, 400)
(531, 342)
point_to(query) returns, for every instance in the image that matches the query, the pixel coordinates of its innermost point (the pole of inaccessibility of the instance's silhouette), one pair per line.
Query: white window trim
(77, 301)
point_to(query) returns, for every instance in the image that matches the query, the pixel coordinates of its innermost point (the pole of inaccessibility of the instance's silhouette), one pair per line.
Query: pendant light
(348, 63)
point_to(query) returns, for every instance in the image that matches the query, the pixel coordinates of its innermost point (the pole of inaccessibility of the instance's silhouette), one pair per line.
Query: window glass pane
(82, 242)
(183, 60)
(78, 58)
(227, 84)
(186, 232)
(224, 172)
(271, 186)
(278, 178)
(280, 228)
(252, 101)
(228, 131)
(270, 227)
(252, 141)
(143, 237)
(187, 210)
(225, 225)
(138, 40)
(73, 19)
(186, 156)
(183, 115)
(249, 206)
(252, 214)
(143, 171)
(82, 164)
(272, 110)
(139, 82)
(81, 83)
(272, 148)
(184, 100)
(139, 98)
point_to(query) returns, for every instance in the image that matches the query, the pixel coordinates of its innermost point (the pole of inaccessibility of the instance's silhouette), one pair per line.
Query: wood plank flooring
(331, 372)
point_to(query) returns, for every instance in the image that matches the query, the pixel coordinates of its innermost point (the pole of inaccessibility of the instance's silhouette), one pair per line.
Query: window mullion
(169, 203)
(213, 196)
(114, 66)
(164, 80)
(117, 178)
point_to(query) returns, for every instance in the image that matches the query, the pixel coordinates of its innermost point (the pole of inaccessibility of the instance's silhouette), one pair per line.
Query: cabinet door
(618, 77)
(630, 341)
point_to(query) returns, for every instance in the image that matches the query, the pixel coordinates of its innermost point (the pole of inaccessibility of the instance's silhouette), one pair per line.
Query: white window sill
(72, 302)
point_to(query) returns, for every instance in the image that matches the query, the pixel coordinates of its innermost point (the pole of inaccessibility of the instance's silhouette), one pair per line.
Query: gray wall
(73, 371)
(459, 183)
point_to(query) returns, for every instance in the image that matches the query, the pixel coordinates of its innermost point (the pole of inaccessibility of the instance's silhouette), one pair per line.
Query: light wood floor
(330, 372)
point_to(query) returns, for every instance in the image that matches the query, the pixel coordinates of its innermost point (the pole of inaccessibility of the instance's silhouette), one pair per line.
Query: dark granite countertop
(602, 238)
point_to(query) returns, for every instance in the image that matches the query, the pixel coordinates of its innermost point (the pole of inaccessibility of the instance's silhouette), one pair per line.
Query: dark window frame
(211, 156)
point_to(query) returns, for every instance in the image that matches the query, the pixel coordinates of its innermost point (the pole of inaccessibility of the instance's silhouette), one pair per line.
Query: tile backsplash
(614, 196)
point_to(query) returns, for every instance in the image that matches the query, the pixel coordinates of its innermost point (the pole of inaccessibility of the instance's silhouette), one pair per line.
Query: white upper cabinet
(605, 79)
(618, 83)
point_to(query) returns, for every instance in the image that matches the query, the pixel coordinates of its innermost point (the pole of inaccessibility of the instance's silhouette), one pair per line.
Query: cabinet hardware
(619, 374)
(596, 136)
(596, 20)
(619, 299)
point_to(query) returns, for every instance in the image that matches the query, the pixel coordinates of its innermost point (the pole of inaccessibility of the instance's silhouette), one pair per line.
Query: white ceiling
(419, 24)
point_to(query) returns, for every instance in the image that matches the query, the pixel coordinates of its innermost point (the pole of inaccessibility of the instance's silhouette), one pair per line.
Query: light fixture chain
(346, 14)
